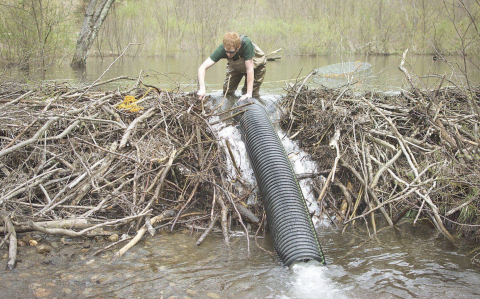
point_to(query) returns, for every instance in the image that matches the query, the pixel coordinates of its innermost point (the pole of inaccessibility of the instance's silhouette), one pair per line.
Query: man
(244, 59)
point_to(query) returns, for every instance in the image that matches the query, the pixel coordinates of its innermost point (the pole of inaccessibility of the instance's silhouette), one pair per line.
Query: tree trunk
(96, 13)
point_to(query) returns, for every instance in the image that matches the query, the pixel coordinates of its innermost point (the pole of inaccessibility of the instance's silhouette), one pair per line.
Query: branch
(12, 251)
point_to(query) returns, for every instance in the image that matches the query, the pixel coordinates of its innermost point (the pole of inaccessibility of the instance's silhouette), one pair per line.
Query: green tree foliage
(310, 27)
(34, 31)
(306, 27)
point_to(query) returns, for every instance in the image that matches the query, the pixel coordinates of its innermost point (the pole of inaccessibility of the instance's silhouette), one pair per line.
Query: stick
(140, 234)
(111, 245)
(383, 168)
(223, 100)
(235, 108)
(70, 233)
(331, 176)
(404, 70)
(461, 206)
(21, 134)
(16, 100)
(111, 152)
(134, 124)
(200, 146)
(334, 144)
(232, 157)
(66, 223)
(224, 222)
(236, 210)
(207, 231)
(29, 184)
(35, 137)
(12, 251)
(183, 206)
(227, 118)
(246, 213)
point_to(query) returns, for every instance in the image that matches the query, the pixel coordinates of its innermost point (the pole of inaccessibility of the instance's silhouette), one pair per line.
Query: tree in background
(33, 32)
(95, 14)
(43, 32)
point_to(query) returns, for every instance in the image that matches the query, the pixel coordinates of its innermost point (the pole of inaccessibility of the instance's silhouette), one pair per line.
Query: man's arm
(250, 75)
(201, 77)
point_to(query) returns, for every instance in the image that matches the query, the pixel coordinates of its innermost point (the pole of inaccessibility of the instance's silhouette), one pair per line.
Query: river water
(181, 71)
(405, 262)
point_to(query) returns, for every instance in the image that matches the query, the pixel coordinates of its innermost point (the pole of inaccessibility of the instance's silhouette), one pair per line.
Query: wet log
(64, 223)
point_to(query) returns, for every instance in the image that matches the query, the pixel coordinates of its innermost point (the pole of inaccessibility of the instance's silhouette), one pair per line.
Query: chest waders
(236, 70)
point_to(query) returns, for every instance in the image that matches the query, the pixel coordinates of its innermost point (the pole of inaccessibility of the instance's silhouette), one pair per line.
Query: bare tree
(95, 14)
(33, 31)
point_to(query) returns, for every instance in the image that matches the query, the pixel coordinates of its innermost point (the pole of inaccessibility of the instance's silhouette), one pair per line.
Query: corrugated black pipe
(294, 235)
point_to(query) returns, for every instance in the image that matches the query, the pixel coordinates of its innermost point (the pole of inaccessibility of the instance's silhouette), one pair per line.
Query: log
(64, 223)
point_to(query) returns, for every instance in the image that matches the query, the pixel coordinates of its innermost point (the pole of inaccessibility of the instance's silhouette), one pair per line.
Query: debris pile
(415, 153)
(76, 161)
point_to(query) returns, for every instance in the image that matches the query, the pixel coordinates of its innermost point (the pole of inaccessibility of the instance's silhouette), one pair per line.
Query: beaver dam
(88, 163)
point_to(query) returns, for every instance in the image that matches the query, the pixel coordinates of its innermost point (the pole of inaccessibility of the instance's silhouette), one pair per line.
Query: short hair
(231, 40)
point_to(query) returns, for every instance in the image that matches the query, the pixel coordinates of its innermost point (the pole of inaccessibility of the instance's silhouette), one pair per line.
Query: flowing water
(405, 262)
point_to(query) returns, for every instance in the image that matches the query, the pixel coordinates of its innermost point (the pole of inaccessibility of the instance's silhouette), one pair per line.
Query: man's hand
(245, 97)
(201, 94)
(201, 77)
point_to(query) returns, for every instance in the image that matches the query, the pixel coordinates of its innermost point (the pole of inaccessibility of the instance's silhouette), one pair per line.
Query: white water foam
(312, 280)
(301, 161)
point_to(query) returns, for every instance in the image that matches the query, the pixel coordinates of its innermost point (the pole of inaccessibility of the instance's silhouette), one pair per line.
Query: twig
(140, 234)
(134, 124)
(227, 118)
(331, 177)
(224, 222)
(207, 231)
(111, 245)
(2, 108)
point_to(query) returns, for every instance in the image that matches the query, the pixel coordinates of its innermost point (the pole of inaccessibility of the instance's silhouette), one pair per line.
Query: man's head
(231, 43)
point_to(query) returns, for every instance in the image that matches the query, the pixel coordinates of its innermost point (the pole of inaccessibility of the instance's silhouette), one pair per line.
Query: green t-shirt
(247, 51)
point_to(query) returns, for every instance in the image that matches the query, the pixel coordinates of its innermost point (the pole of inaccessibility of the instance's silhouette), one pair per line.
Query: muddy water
(406, 262)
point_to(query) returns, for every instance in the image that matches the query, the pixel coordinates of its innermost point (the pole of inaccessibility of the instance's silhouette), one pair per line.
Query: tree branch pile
(415, 153)
(76, 162)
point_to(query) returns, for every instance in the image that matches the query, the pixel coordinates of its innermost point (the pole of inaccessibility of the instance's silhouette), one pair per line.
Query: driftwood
(273, 55)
